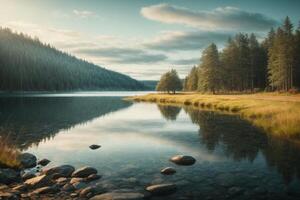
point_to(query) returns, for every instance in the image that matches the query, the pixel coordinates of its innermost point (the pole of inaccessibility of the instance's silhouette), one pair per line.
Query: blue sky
(143, 38)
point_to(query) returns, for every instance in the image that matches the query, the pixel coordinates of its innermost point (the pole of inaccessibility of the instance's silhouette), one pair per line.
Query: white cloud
(221, 18)
(84, 13)
(186, 41)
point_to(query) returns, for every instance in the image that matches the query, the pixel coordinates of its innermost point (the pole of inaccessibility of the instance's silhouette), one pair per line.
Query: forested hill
(26, 64)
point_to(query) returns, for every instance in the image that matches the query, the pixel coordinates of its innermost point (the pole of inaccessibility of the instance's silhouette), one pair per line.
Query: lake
(234, 159)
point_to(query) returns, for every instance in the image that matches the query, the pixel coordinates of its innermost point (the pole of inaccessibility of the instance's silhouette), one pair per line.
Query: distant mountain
(26, 64)
(151, 85)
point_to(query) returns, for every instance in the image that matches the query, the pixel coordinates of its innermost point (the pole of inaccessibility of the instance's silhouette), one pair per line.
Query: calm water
(234, 159)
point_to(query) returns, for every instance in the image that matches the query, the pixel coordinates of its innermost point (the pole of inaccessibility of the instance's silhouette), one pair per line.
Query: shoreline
(277, 114)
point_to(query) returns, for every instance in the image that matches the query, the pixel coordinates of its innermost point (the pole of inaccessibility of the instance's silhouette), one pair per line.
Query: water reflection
(30, 120)
(240, 140)
(169, 112)
(139, 140)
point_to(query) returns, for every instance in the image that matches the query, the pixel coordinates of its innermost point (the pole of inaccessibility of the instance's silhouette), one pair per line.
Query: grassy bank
(277, 114)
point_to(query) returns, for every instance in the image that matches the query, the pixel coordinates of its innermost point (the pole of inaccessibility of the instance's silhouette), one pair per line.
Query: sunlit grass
(8, 154)
(276, 113)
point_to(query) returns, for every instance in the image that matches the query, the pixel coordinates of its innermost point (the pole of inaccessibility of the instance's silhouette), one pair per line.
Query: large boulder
(8, 176)
(162, 189)
(27, 160)
(64, 170)
(84, 172)
(39, 181)
(183, 160)
(119, 196)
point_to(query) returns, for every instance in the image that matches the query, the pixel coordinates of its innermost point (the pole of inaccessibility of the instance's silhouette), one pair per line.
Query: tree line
(247, 65)
(26, 64)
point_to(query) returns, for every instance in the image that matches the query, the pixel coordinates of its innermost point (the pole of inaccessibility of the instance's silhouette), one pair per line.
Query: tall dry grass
(8, 154)
(277, 114)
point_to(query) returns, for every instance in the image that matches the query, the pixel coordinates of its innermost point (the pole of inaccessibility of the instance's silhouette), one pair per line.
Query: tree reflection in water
(28, 121)
(240, 140)
(169, 112)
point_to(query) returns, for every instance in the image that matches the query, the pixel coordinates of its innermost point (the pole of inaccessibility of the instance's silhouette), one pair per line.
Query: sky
(143, 38)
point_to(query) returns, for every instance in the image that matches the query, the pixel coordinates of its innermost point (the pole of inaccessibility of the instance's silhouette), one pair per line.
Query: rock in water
(183, 160)
(119, 196)
(162, 189)
(168, 171)
(46, 190)
(44, 162)
(64, 170)
(79, 185)
(39, 181)
(68, 187)
(93, 177)
(8, 176)
(94, 146)
(76, 180)
(20, 188)
(84, 172)
(27, 160)
(27, 175)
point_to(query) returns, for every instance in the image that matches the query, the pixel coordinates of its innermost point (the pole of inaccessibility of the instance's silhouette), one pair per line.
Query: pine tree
(209, 71)
(243, 62)
(297, 57)
(192, 80)
(257, 63)
(229, 66)
(282, 58)
(289, 52)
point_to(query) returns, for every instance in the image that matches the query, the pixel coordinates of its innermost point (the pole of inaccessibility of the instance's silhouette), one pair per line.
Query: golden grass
(276, 113)
(8, 154)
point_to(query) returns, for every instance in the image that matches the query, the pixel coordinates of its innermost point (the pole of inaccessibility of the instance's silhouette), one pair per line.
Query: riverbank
(275, 113)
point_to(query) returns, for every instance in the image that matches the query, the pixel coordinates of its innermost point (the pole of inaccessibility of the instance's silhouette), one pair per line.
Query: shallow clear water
(234, 159)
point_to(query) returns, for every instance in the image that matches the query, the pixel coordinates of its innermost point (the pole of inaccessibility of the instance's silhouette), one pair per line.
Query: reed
(8, 154)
